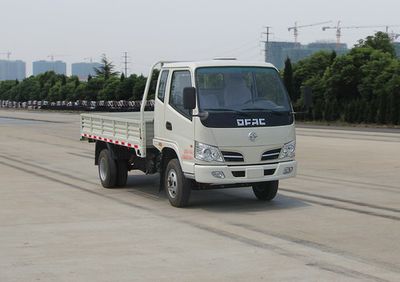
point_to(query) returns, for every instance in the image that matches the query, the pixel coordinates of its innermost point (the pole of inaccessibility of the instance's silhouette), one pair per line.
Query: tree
(67, 91)
(108, 93)
(331, 109)
(382, 108)
(125, 88)
(5, 87)
(29, 89)
(288, 79)
(55, 92)
(343, 78)
(380, 41)
(394, 86)
(63, 79)
(371, 71)
(138, 88)
(80, 93)
(106, 70)
(311, 68)
(93, 87)
(333, 56)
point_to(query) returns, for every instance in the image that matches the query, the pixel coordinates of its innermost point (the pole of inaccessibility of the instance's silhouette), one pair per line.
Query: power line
(240, 48)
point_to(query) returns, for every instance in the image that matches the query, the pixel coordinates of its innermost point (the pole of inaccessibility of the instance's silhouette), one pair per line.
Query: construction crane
(339, 28)
(393, 36)
(90, 59)
(52, 56)
(296, 28)
(8, 53)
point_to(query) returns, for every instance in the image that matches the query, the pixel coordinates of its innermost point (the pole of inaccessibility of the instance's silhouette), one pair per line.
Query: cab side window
(163, 85)
(180, 80)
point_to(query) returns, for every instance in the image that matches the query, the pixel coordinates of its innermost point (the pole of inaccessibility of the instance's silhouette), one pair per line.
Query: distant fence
(98, 106)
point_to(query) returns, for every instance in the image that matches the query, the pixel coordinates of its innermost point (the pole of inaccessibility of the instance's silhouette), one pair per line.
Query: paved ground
(339, 220)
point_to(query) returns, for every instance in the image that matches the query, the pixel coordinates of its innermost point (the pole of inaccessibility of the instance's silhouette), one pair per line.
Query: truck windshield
(241, 89)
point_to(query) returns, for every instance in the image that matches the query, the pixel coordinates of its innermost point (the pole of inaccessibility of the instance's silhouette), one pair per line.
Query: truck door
(159, 108)
(179, 129)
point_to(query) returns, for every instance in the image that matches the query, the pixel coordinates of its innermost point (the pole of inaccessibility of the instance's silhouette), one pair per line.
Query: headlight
(288, 150)
(207, 153)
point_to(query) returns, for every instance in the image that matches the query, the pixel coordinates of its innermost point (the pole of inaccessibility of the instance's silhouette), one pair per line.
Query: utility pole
(267, 33)
(126, 57)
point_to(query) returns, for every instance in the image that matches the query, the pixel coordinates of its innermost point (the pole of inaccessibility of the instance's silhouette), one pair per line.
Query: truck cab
(239, 128)
(218, 124)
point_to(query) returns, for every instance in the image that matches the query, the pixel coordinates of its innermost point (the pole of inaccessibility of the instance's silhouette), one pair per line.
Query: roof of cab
(217, 63)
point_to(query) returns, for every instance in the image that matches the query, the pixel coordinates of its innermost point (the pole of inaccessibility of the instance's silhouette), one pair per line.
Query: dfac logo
(248, 122)
(253, 136)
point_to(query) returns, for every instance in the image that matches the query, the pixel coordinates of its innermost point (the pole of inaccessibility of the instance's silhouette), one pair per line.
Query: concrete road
(339, 220)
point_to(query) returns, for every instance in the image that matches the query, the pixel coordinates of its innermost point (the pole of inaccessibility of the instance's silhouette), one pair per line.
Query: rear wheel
(266, 191)
(107, 169)
(122, 173)
(178, 188)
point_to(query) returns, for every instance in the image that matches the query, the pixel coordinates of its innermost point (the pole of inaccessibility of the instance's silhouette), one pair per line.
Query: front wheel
(178, 188)
(266, 191)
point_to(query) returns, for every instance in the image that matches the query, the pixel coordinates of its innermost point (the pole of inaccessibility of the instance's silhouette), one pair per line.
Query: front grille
(271, 155)
(232, 157)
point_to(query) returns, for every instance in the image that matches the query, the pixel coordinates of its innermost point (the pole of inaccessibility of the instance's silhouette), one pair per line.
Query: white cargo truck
(215, 124)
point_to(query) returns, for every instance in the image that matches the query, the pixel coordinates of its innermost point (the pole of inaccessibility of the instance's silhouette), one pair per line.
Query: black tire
(107, 169)
(177, 187)
(122, 173)
(266, 191)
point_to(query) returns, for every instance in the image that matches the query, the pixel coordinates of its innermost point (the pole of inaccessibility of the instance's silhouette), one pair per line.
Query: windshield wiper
(267, 110)
(228, 110)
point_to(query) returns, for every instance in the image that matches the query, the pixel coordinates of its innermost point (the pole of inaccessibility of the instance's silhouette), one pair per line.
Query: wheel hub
(103, 169)
(172, 183)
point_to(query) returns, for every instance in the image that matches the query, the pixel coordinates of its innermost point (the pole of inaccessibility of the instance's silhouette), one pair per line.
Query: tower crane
(339, 28)
(393, 36)
(8, 54)
(296, 28)
(52, 56)
(90, 59)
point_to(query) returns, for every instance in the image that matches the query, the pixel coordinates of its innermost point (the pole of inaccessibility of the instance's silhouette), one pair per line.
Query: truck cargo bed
(119, 128)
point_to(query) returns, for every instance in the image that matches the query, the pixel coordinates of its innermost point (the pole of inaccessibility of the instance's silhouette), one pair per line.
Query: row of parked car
(109, 106)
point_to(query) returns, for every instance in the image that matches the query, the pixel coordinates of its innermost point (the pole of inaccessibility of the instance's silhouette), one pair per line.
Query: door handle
(168, 125)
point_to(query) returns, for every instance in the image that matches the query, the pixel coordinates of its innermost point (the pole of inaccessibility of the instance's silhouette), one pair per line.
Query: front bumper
(245, 174)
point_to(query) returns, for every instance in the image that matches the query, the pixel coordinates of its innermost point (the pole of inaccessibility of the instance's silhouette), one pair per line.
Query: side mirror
(189, 98)
(307, 98)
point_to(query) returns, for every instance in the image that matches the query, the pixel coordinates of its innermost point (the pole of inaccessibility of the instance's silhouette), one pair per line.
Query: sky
(153, 30)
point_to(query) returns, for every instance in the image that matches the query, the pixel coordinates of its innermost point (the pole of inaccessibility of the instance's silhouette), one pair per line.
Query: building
(58, 67)
(295, 55)
(11, 70)
(278, 52)
(397, 48)
(83, 70)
